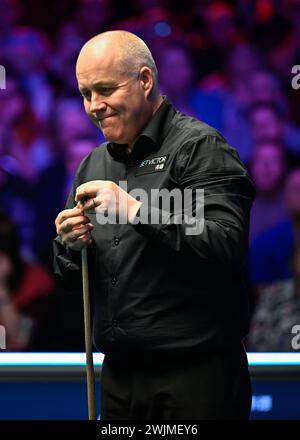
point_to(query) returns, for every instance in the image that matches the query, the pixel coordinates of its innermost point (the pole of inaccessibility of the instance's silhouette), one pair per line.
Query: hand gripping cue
(90, 375)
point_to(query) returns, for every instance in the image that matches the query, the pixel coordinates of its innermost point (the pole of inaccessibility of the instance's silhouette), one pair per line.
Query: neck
(156, 104)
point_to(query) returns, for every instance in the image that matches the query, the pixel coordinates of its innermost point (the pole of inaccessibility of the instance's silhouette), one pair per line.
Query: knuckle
(73, 237)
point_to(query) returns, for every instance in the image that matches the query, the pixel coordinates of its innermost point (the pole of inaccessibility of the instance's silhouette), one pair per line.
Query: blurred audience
(269, 122)
(93, 17)
(270, 250)
(74, 152)
(276, 312)
(26, 147)
(180, 87)
(25, 294)
(26, 55)
(62, 63)
(268, 167)
(234, 88)
(69, 122)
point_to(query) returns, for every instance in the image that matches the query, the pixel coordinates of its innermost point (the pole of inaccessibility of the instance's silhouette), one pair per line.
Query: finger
(91, 189)
(89, 192)
(76, 233)
(68, 213)
(87, 238)
(91, 204)
(93, 184)
(83, 240)
(72, 223)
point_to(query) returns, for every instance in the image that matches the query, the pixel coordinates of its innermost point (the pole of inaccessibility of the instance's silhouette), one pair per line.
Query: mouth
(106, 117)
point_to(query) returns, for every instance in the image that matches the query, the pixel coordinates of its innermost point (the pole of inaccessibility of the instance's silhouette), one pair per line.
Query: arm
(210, 164)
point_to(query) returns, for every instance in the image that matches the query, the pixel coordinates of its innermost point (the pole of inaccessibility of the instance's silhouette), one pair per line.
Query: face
(267, 168)
(115, 100)
(175, 60)
(263, 87)
(265, 125)
(220, 24)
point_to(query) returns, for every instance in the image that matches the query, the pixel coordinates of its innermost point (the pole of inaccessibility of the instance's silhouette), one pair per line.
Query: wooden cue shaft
(88, 337)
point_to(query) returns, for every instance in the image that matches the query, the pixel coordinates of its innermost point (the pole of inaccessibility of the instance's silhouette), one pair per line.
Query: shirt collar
(151, 137)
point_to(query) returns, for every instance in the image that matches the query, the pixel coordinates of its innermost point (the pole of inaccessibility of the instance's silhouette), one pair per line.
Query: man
(169, 308)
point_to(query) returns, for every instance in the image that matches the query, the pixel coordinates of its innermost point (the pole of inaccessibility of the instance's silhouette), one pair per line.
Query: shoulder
(194, 136)
(203, 147)
(193, 129)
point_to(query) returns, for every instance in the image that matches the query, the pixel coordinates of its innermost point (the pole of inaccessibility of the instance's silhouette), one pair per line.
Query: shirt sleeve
(216, 225)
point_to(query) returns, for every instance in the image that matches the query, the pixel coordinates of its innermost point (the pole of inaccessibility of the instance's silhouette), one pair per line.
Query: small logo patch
(152, 165)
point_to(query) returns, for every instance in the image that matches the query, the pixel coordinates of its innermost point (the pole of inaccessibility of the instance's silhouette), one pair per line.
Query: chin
(115, 139)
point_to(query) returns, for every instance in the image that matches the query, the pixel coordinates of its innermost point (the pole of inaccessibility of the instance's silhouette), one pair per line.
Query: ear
(146, 80)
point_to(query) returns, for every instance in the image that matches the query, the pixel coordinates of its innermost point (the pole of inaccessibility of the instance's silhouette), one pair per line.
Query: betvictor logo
(152, 165)
(154, 161)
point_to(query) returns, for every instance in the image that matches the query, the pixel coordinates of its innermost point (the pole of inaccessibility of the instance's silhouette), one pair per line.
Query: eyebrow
(107, 83)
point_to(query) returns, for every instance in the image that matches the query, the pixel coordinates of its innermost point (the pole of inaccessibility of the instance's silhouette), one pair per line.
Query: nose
(97, 104)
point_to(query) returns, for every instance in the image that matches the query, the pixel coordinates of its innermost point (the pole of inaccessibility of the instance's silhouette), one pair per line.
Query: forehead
(99, 64)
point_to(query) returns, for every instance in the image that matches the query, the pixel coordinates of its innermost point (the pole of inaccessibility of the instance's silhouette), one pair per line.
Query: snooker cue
(90, 374)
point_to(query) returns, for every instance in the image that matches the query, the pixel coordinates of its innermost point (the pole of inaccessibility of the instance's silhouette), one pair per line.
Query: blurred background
(227, 63)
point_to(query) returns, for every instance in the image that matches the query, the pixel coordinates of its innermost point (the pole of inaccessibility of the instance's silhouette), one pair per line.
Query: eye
(86, 94)
(106, 91)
